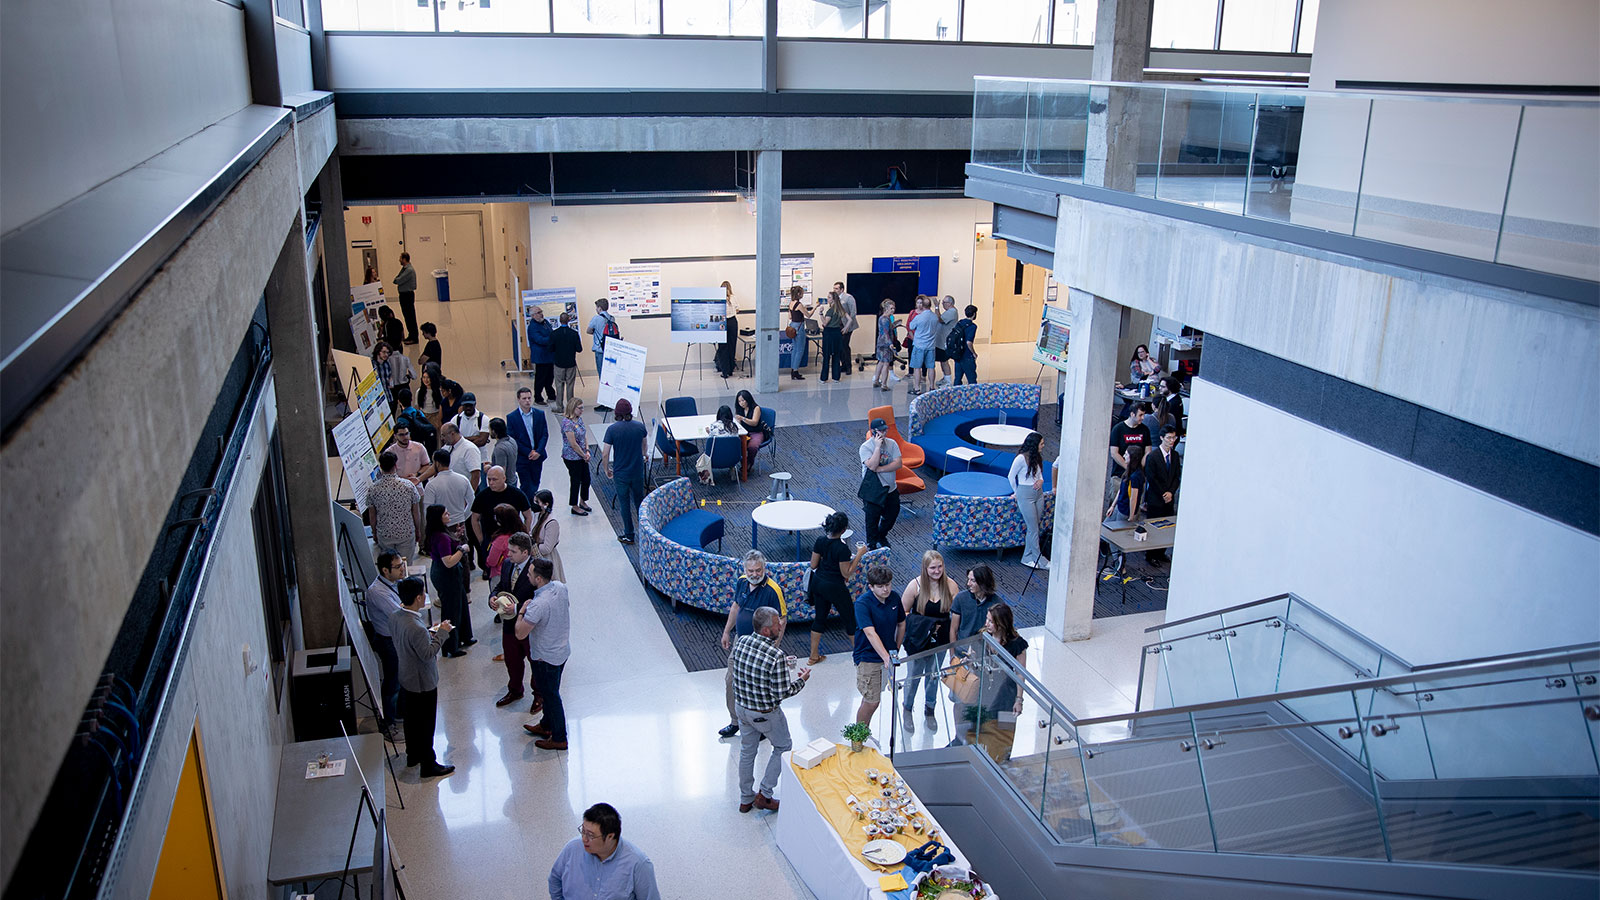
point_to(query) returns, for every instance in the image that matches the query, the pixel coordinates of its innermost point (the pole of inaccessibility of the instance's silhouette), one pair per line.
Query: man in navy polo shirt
(754, 591)
(880, 627)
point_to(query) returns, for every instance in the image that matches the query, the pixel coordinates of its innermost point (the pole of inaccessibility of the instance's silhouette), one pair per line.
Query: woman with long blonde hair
(887, 345)
(929, 624)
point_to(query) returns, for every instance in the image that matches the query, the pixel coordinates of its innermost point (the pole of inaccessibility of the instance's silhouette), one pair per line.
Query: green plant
(857, 732)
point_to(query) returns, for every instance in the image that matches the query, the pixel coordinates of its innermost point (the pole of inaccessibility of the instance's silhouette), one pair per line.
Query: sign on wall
(634, 288)
(926, 267)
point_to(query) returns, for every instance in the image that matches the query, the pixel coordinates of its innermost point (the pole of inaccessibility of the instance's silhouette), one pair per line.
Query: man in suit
(1163, 471)
(526, 426)
(418, 649)
(515, 579)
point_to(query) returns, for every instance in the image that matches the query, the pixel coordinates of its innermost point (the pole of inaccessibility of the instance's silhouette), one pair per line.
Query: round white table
(788, 515)
(1001, 435)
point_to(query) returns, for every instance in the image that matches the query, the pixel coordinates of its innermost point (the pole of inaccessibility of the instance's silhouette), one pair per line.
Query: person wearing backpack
(601, 326)
(958, 346)
(947, 323)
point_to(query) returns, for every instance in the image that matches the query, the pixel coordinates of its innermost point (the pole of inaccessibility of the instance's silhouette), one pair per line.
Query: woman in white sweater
(1027, 483)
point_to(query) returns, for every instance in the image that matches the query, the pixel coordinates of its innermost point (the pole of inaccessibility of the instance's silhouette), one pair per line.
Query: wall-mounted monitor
(871, 288)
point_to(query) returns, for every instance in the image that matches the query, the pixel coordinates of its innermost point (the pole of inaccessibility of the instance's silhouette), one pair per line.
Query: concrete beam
(577, 134)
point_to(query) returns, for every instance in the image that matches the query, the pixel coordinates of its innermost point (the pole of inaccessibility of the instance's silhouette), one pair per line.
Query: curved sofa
(700, 578)
(943, 419)
(982, 523)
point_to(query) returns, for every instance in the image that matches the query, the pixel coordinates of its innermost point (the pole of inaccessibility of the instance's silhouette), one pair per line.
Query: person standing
(970, 610)
(965, 356)
(834, 352)
(432, 354)
(1128, 433)
(430, 396)
(564, 347)
(502, 452)
(445, 572)
(415, 424)
(382, 602)
(527, 427)
(880, 630)
(880, 458)
(546, 534)
(448, 488)
(599, 324)
(1163, 475)
(761, 682)
(754, 591)
(1027, 485)
(405, 284)
(515, 578)
(494, 493)
(473, 425)
(390, 329)
(384, 371)
(831, 567)
(622, 452)
(544, 367)
(848, 303)
(417, 649)
(924, 328)
(730, 325)
(575, 456)
(929, 623)
(948, 319)
(800, 344)
(393, 509)
(886, 347)
(599, 865)
(547, 617)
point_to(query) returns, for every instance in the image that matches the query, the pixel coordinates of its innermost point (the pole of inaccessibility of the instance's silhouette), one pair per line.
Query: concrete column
(1121, 51)
(305, 454)
(335, 256)
(1081, 467)
(769, 49)
(769, 231)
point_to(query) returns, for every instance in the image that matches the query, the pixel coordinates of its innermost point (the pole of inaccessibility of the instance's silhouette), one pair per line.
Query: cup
(871, 830)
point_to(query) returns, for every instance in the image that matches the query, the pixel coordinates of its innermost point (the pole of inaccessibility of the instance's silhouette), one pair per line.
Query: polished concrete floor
(642, 729)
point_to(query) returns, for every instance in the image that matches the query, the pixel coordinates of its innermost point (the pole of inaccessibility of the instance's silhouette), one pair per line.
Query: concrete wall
(1423, 565)
(91, 89)
(181, 330)
(293, 47)
(241, 723)
(1464, 349)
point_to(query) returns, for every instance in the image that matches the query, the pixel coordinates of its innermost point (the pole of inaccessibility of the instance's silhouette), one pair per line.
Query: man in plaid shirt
(761, 682)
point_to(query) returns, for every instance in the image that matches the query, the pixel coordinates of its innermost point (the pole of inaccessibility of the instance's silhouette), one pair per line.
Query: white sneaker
(944, 382)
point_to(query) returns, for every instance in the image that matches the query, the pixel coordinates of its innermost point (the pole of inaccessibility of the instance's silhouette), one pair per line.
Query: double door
(1019, 298)
(449, 241)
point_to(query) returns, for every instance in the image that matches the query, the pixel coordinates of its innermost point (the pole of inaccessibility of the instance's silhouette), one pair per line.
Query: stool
(780, 486)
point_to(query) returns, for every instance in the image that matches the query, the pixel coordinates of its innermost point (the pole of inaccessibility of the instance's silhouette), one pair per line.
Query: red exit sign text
(407, 208)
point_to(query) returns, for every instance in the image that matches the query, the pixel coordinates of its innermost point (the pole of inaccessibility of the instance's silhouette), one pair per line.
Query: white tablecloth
(819, 855)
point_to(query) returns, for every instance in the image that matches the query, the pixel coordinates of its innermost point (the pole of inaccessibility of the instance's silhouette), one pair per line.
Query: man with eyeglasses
(600, 865)
(383, 601)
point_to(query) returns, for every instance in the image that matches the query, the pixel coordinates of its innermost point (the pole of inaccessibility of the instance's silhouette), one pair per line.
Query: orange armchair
(911, 456)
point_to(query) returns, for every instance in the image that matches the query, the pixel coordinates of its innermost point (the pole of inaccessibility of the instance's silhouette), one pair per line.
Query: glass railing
(1420, 773)
(1473, 177)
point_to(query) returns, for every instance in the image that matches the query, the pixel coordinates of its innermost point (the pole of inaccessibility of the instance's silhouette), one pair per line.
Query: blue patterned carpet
(822, 461)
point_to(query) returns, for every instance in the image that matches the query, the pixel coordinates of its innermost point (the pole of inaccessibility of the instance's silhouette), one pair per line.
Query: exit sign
(407, 208)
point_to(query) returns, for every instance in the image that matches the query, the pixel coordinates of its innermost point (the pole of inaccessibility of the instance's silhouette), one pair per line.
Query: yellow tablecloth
(837, 777)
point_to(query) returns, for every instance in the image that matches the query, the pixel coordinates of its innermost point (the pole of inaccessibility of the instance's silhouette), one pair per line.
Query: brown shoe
(818, 658)
(500, 657)
(508, 699)
(549, 744)
(746, 807)
(538, 731)
(536, 707)
(763, 802)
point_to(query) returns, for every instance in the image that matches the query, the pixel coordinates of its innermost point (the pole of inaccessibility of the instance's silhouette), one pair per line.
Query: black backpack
(421, 429)
(955, 343)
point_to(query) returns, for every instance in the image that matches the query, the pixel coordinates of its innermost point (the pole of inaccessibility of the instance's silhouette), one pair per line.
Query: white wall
(386, 233)
(90, 89)
(1425, 566)
(844, 234)
(294, 58)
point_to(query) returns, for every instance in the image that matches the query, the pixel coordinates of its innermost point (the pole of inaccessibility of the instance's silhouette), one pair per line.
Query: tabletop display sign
(699, 315)
(1054, 332)
(374, 410)
(634, 289)
(356, 454)
(623, 375)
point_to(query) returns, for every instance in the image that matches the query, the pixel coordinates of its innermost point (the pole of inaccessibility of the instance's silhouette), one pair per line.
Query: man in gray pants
(761, 682)
(405, 284)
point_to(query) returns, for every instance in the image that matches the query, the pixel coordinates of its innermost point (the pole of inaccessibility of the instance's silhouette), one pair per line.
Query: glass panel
(999, 123)
(1264, 25)
(1255, 650)
(1553, 224)
(1205, 140)
(1550, 739)
(741, 18)
(913, 20)
(1308, 25)
(1197, 667)
(1064, 805)
(1451, 203)
(1183, 25)
(1075, 22)
(1144, 793)
(377, 15)
(1138, 110)
(1007, 21)
(1328, 162)
(607, 16)
(292, 11)
(1278, 121)
(1058, 125)
(820, 18)
(1307, 665)
(1400, 754)
(506, 16)
(1361, 658)
(1268, 794)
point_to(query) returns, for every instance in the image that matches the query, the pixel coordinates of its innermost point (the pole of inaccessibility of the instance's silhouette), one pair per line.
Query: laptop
(1119, 524)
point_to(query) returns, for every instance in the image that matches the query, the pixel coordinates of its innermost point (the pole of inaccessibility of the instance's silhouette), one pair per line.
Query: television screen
(871, 288)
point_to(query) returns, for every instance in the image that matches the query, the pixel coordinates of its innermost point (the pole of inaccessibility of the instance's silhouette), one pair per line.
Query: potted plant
(856, 733)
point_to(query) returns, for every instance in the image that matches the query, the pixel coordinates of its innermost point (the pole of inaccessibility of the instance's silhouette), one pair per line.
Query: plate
(884, 853)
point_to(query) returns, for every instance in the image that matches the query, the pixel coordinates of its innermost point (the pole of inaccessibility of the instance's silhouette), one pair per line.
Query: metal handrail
(1275, 90)
(1217, 612)
(1294, 599)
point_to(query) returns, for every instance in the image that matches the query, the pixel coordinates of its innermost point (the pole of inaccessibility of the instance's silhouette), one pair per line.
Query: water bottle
(1002, 417)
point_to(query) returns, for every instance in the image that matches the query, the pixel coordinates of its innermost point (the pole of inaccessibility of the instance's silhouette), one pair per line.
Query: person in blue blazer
(526, 426)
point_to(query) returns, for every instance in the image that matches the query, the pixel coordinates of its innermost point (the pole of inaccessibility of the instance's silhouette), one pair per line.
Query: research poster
(356, 454)
(554, 302)
(634, 289)
(699, 315)
(374, 410)
(1054, 332)
(364, 295)
(365, 334)
(793, 270)
(623, 375)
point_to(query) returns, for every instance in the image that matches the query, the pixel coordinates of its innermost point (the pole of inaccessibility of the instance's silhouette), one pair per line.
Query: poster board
(554, 302)
(365, 295)
(356, 455)
(374, 410)
(623, 375)
(1054, 334)
(344, 361)
(699, 315)
(361, 328)
(793, 270)
(634, 288)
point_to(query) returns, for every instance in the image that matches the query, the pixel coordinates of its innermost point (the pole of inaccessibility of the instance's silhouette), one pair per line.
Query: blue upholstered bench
(942, 420)
(694, 528)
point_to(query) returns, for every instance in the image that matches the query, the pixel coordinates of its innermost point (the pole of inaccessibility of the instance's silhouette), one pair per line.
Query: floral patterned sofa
(982, 523)
(943, 419)
(703, 579)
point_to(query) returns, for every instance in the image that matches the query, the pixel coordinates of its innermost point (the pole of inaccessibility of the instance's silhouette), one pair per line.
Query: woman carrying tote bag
(929, 624)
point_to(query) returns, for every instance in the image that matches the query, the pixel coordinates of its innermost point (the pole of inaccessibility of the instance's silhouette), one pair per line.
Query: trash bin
(441, 282)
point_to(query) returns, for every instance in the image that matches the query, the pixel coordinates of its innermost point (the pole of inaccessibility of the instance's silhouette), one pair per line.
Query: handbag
(963, 683)
(925, 632)
(872, 489)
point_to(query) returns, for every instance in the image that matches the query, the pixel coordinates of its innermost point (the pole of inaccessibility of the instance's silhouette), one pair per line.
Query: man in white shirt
(449, 489)
(473, 425)
(464, 457)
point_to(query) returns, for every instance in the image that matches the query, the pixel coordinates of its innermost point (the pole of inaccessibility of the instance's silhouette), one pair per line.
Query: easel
(350, 391)
(700, 358)
(358, 595)
(365, 804)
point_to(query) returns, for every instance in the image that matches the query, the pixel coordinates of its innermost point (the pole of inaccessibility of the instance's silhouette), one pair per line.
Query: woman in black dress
(831, 566)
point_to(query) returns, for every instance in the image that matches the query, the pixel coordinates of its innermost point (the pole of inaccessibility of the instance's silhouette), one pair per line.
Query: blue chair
(679, 406)
(769, 417)
(674, 450)
(727, 452)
